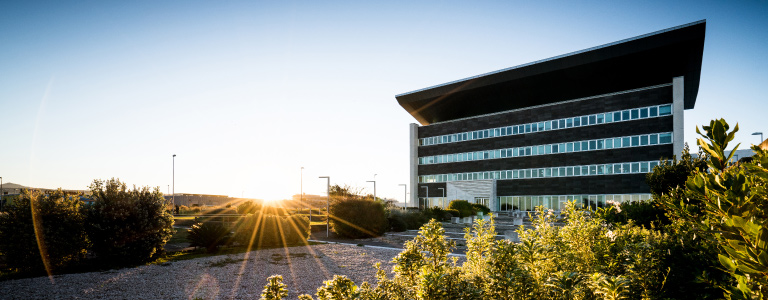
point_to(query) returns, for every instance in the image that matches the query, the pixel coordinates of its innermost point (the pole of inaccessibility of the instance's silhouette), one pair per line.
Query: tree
(127, 226)
(43, 231)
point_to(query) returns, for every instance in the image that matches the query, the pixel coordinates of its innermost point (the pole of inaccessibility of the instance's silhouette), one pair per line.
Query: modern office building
(583, 126)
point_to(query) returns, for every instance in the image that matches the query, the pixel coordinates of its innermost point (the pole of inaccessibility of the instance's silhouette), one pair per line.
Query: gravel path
(235, 276)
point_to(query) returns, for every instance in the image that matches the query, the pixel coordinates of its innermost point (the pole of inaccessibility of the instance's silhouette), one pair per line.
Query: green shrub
(270, 230)
(642, 213)
(209, 235)
(463, 206)
(248, 207)
(127, 226)
(60, 228)
(397, 223)
(358, 218)
(454, 213)
(481, 208)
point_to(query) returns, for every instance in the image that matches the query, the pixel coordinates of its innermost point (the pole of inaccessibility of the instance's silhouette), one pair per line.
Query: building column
(678, 107)
(493, 203)
(414, 164)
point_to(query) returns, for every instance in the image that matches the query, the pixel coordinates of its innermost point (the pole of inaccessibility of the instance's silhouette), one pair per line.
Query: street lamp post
(405, 195)
(1, 193)
(374, 186)
(761, 137)
(301, 192)
(442, 200)
(173, 196)
(327, 207)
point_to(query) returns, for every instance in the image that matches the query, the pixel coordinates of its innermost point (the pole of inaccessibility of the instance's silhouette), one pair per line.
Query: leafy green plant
(731, 202)
(127, 226)
(43, 232)
(209, 235)
(275, 288)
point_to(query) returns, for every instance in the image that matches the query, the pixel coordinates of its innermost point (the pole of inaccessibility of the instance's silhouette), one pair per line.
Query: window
(625, 142)
(576, 122)
(635, 114)
(665, 138)
(534, 127)
(625, 168)
(569, 123)
(644, 167)
(514, 130)
(635, 141)
(608, 118)
(635, 167)
(584, 146)
(617, 116)
(561, 123)
(592, 145)
(541, 126)
(600, 118)
(625, 115)
(554, 148)
(592, 120)
(592, 170)
(608, 143)
(548, 125)
(665, 110)
(577, 146)
(584, 121)
(527, 128)
(617, 143)
(643, 113)
(576, 171)
(643, 140)
(599, 144)
(570, 147)
(654, 139)
(653, 111)
(554, 125)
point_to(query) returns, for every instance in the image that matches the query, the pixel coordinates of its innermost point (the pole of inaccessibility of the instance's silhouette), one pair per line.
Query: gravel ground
(236, 276)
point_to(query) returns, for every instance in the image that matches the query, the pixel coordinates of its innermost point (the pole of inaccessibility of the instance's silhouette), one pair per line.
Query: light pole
(301, 192)
(761, 137)
(442, 200)
(327, 206)
(374, 186)
(1, 193)
(427, 197)
(405, 195)
(173, 196)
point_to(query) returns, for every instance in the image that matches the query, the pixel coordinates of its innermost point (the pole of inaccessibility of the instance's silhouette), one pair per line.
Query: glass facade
(565, 171)
(557, 202)
(579, 121)
(577, 146)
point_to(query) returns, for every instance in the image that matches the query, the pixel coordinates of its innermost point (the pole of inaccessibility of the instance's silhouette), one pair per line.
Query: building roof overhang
(642, 61)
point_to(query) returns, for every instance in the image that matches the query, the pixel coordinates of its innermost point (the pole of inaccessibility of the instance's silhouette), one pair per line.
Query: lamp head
(757, 133)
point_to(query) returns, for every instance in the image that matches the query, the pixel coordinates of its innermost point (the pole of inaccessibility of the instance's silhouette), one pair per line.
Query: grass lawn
(179, 237)
(198, 253)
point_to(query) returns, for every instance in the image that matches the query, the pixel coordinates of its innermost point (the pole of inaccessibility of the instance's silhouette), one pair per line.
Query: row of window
(590, 145)
(529, 203)
(569, 171)
(609, 117)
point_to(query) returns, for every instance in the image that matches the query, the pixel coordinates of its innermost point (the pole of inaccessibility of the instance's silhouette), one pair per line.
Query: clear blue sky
(246, 93)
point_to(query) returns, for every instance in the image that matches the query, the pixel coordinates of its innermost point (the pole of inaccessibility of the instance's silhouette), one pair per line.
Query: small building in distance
(584, 126)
